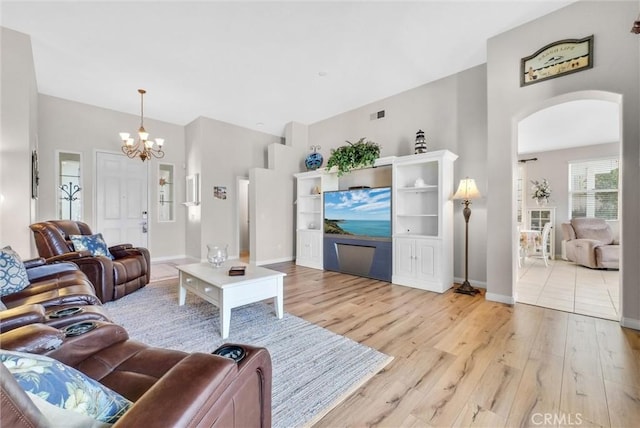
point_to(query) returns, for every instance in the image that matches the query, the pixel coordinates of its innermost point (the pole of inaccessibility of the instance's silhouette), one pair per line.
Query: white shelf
(428, 188)
(417, 215)
(412, 235)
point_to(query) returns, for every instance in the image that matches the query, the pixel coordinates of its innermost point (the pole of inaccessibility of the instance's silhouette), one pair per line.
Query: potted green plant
(361, 154)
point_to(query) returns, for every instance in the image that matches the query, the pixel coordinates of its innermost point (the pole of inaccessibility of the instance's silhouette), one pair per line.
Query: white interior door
(121, 199)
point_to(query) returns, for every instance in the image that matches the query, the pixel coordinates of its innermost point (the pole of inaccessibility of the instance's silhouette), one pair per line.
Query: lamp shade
(467, 189)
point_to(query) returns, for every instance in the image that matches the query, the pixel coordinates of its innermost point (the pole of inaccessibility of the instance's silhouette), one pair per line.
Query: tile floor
(167, 269)
(568, 287)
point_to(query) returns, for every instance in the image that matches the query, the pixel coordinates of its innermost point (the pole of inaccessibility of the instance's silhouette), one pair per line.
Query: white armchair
(590, 242)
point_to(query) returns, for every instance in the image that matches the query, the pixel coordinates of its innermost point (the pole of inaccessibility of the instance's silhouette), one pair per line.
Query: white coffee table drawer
(204, 290)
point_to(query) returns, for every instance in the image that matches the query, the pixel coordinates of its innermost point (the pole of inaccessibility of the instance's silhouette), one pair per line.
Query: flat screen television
(358, 212)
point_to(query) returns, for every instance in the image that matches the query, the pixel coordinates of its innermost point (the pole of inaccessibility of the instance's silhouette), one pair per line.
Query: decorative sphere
(313, 161)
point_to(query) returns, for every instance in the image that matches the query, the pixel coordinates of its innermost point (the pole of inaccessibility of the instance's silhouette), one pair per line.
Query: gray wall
(615, 73)
(220, 152)
(193, 144)
(452, 113)
(71, 126)
(19, 137)
(554, 166)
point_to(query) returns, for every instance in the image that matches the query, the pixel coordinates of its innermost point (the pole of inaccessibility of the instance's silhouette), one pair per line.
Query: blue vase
(314, 160)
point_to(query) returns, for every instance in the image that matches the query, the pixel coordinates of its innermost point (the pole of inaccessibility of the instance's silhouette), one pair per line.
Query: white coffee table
(227, 292)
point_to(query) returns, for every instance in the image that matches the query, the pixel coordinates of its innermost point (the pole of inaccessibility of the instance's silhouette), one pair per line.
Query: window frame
(590, 193)
(59, 208)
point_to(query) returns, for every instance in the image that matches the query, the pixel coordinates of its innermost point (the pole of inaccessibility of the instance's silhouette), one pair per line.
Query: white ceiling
(571, 124)
(255, 64)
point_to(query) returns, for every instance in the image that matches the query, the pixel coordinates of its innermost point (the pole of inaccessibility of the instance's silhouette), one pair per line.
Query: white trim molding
(500, 298)
(477, 284)
(630, 323)
(269, 262)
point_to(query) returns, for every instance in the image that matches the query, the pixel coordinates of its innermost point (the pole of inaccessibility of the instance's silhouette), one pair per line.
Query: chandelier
(143, 147)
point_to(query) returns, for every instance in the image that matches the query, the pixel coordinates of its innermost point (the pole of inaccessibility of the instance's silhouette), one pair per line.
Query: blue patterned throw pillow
(94, 243)
(13, 274)
(64, 386)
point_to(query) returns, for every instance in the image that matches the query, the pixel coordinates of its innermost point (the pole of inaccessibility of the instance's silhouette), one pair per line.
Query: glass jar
(217, 254)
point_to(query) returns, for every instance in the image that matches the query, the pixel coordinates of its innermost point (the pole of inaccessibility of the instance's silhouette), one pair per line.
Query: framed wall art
(220, 192)
(35, 175)
(557, 59)
(193, 190)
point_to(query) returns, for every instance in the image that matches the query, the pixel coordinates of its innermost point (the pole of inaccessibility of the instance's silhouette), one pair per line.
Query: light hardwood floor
(464, 361)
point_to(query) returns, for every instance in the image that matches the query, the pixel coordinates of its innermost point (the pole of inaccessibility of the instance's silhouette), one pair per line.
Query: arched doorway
(559, 132)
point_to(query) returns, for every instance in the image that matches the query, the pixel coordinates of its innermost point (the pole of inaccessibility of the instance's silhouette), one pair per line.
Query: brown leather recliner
(129, 271)
(59, 294)
(169, 388)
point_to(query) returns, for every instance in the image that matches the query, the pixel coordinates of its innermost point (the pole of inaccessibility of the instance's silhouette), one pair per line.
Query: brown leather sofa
(591, 242)
(59, 294)
(52, 285)
(129, 271)
(169, 388)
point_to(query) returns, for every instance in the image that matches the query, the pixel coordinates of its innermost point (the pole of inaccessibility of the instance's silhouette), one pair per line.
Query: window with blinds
(593, 188)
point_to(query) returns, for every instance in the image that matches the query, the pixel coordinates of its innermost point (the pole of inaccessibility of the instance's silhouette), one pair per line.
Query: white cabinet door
(417, 263)
(427, 259)
(309, 249)
(404, 257)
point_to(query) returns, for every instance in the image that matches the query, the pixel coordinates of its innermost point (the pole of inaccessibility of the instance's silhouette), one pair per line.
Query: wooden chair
(542, 251)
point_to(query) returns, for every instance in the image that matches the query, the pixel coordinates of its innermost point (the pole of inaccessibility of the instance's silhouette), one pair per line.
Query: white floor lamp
(467, 190)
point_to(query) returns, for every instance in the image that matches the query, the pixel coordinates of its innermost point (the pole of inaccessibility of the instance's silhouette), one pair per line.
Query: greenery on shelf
(361, 154)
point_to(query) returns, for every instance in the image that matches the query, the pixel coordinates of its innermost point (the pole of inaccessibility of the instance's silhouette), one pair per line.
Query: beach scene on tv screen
(361, 212)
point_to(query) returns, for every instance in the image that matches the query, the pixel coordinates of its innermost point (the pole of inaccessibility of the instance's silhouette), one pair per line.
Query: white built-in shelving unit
(422, 218)
(310, 216)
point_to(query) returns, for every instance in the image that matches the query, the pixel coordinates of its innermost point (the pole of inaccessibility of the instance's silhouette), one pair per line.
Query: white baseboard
(167, 258)
(630, 323)
(477, 284)
(272, 261)
(501, 298)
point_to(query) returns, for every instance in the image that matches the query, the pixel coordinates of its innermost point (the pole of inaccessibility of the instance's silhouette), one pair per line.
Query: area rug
(314, 369)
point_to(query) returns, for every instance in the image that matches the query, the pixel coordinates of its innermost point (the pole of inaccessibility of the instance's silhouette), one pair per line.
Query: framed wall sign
(557, 59)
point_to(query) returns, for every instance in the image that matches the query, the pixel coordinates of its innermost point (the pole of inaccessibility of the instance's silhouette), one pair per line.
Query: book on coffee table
(237, 270)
